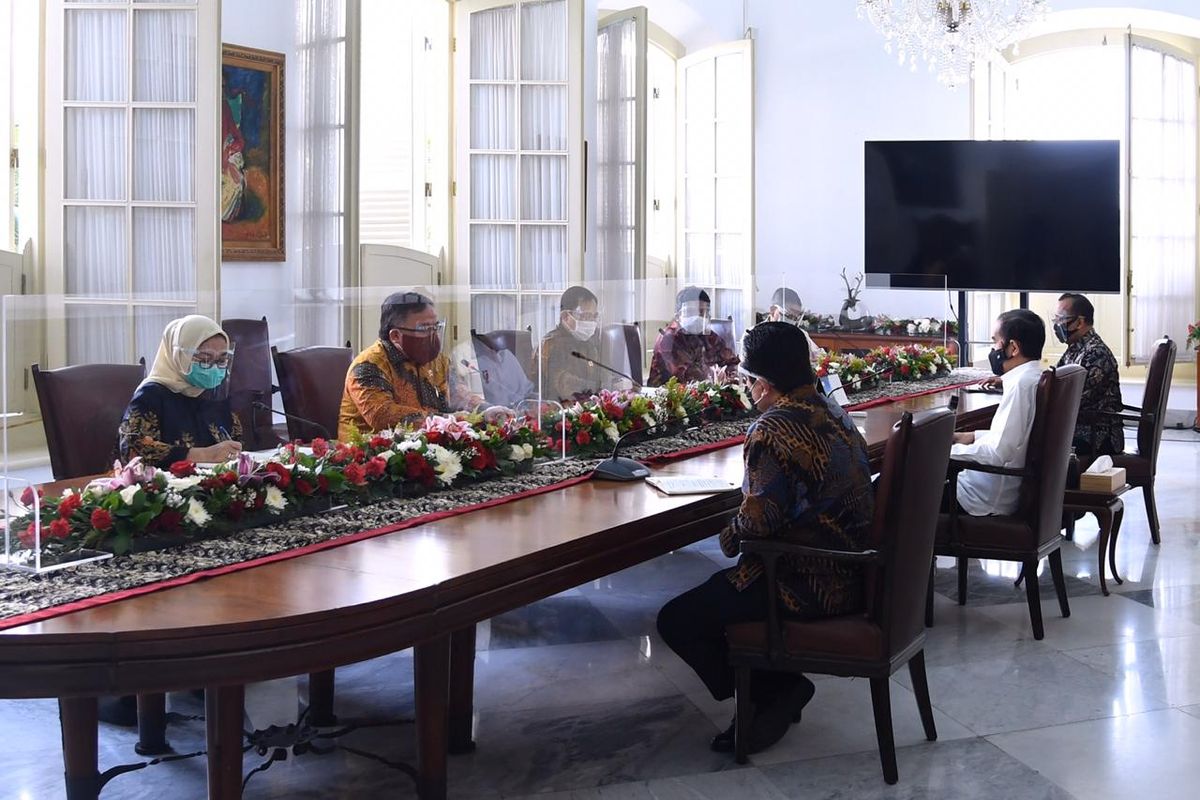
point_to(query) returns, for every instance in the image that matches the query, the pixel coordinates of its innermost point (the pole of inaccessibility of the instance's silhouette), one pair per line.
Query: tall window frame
(72, 306)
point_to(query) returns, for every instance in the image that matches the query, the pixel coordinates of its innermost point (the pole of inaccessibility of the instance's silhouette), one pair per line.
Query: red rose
(235, 510)
(616, 412)
(481, 458)
(322, 484)
(69, 505)
(586, 418)
(416, 468)
(904, 369)
(228, 478)
(27, 496)
(320, 447)
(583, 437)
(260, 499)
(304, 487)
(169, 520)
(376, 467)
(356, 474)
(182, 469)
(434, 437)
(378, 442)
(101, 519)
(283, 475)
(27, 537)
(59, 529)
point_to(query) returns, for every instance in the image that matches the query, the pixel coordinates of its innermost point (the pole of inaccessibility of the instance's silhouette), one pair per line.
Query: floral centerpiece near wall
(921, 326)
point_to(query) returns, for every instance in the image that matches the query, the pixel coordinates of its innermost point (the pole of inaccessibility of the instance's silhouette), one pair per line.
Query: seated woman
(807, 482)
(404, 376)
(175, 414)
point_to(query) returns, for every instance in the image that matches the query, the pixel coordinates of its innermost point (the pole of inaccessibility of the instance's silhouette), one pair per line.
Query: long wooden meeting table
(424, 587)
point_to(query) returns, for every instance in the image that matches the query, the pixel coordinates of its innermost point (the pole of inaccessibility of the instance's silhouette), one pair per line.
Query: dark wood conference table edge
(437, 620)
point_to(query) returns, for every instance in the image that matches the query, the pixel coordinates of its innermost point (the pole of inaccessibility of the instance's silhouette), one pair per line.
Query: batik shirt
(1101, 393)
(161, 426)
(384, 389)
(687, 356)
(808, 482)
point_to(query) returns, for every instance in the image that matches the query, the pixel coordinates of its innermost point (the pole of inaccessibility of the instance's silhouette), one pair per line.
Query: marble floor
(578, 699)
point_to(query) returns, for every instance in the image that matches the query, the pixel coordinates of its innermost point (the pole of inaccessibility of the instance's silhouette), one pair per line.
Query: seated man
(687, 348)
(1018, 337)
(807, 481)
(484, 375)
(403, 377)
(1096, 435)
(786, 307)
(565, 377)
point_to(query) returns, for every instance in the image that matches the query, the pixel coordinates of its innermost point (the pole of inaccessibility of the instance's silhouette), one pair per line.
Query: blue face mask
(206, 377)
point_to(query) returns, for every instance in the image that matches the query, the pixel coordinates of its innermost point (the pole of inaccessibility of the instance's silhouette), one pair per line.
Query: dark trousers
(693, 625)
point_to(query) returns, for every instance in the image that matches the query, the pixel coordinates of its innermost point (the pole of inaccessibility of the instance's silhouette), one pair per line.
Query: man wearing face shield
(688, 349)
(807, 482)
(786, 307)
(564, 376)
(404, 376)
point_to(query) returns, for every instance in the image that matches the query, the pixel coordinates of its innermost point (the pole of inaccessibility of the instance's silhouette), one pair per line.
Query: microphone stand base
(621, 469)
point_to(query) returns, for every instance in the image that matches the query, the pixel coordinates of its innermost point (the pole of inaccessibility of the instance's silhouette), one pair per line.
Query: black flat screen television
(994, 215)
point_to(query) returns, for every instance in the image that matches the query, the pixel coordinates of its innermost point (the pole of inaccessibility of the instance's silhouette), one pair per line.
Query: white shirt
(494, 375)
(1001, 445)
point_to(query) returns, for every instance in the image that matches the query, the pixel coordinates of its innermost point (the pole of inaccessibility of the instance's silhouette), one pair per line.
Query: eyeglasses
(585, 316)
(748, 379)
(424, 330)
(209, 360)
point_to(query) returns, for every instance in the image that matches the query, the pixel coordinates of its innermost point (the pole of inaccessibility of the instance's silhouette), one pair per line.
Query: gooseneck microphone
(582, 357)
(616, 468)
(260, 406)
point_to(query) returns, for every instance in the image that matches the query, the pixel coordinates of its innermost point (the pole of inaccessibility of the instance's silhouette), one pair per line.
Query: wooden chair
(620, 344)
(889, 634)
(1142, 466)
(1034, 531)
(311, 382)
(250, 380)
(81, 409)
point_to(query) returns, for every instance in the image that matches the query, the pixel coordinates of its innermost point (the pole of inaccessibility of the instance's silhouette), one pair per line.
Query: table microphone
(582, 357)
(616, 468)
(264, 407)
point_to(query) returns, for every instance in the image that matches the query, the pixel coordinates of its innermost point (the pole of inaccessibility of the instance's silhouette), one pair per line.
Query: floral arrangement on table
(908, 363)
(922, 326)
(816, 322)
(593, 426)
(1193, 336)
(141, 507)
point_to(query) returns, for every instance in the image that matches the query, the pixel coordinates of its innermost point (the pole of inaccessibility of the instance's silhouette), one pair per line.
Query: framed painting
(252, 200)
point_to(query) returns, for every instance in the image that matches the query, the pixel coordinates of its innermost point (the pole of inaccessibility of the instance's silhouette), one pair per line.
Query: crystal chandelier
(950, 35)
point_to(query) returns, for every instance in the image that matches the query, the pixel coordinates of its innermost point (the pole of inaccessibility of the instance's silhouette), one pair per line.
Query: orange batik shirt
(384, 389)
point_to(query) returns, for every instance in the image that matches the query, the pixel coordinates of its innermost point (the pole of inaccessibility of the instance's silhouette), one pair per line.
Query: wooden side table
(1109, 508)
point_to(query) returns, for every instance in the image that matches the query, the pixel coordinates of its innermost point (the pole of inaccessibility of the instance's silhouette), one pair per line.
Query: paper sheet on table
(690, 484)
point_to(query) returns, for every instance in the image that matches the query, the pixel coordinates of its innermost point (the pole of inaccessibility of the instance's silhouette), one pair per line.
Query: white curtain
(616, 152)
(101, 253)
(493, 38)
(321, 35)
(544, 41)
(1163, 195)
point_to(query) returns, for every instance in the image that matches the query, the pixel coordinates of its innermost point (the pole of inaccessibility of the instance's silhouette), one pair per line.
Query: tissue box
(1108, 480)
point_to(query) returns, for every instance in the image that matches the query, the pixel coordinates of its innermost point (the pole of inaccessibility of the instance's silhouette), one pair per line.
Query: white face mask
(695, 325)
(585, 329)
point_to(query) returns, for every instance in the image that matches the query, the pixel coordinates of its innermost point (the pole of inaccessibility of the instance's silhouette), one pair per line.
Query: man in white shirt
(1018, 337)
(490, 376)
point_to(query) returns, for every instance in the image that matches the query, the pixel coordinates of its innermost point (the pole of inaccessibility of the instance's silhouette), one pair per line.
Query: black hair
(778, 352)
(1080, 306)
(689, 294)
(397, 307)
(786, 298)
(1025, 327)
(575, 296)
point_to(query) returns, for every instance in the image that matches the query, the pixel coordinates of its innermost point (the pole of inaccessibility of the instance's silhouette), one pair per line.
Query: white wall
(253, 289)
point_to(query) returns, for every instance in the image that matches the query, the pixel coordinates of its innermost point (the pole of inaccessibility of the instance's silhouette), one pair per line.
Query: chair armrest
(958, 465)
(1127, 407)
(1086, 416)
(777, 548)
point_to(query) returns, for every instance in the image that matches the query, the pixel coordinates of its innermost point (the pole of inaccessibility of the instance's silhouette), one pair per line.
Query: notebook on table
(690, 484)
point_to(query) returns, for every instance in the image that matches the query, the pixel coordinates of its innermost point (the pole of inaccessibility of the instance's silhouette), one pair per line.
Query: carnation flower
(59, 529)
(275, 499)
(447, 465)
(197, 514)
(182, 484)
(101, 519)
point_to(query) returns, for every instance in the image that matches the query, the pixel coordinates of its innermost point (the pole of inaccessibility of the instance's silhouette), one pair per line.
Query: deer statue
(853, 316)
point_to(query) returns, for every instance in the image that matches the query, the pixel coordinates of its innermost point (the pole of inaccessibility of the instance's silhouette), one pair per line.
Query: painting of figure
(252, 207)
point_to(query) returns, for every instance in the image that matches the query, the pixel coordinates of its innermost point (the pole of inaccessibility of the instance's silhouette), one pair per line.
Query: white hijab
(174, 360)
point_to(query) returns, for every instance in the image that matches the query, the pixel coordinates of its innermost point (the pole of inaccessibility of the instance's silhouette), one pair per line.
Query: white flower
(196, 513)
(275, 499)
(409, 444)
(181, 484)
(175, 499)
(612, 433)
(68, 492)
(649, 420)
(528, 448)
(516, 453)
(447, 465)
(128, 493)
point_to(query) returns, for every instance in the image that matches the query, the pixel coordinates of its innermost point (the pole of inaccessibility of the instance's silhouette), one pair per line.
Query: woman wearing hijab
(174, 415)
